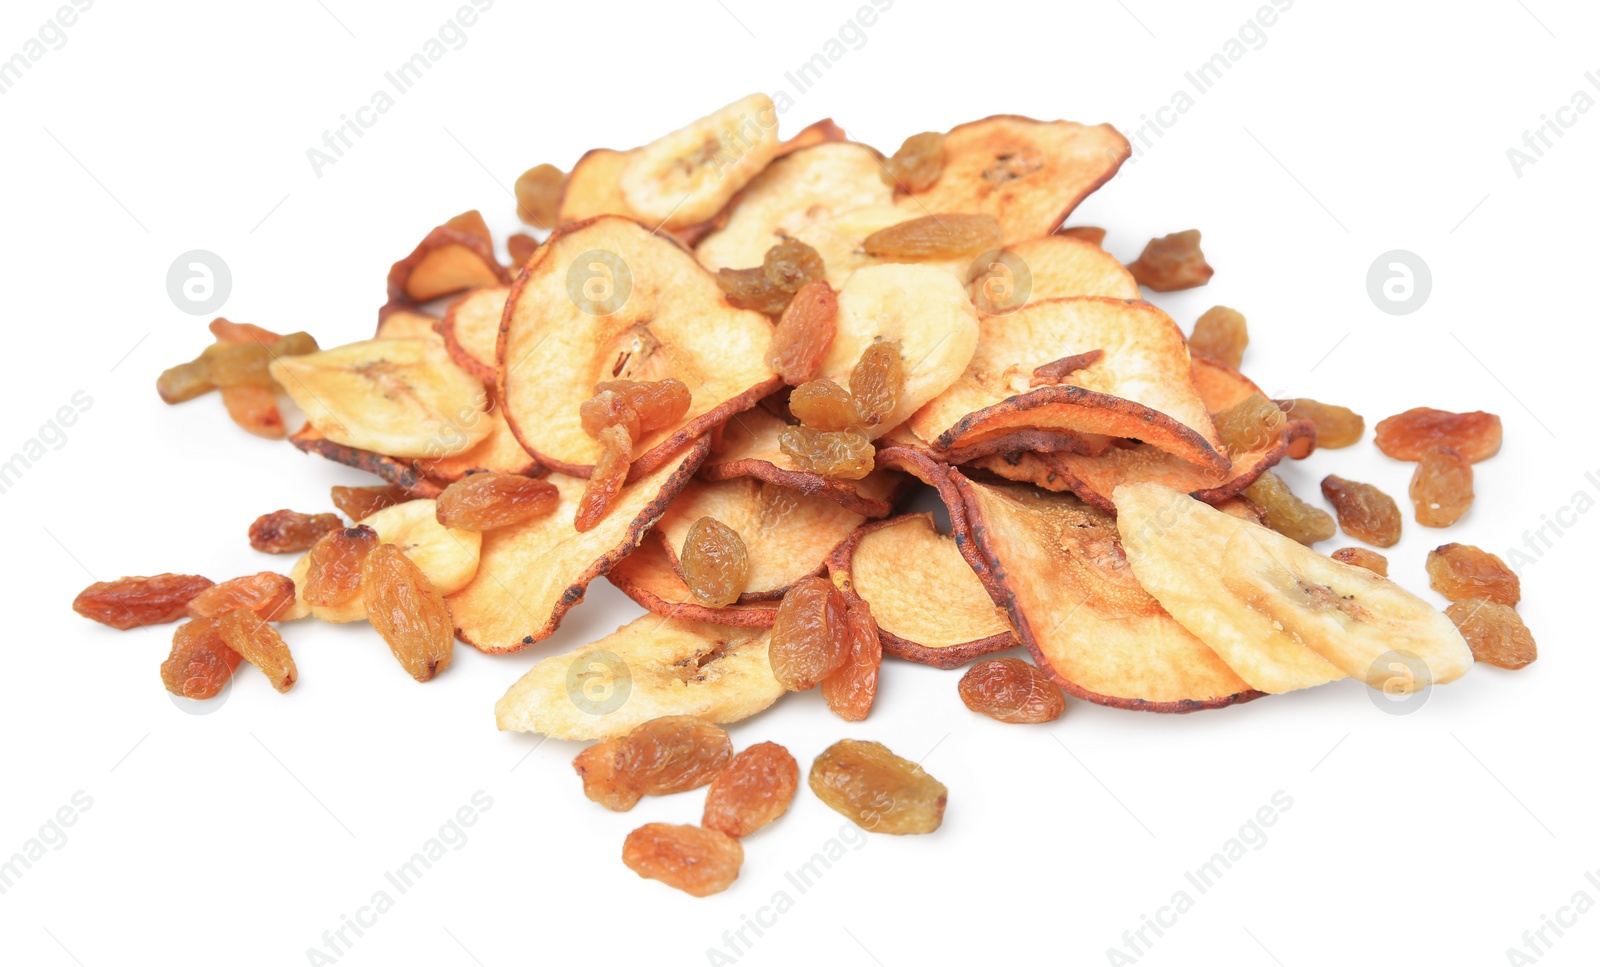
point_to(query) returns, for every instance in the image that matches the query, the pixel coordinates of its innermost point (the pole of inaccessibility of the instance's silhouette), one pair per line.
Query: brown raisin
(1441, 487)
(1087, 233)
(1476, 435)
(752, 791)
(714, 563)
(918, 163)
(266, 594)
(361, 502)
(842, 453)
(674, 753)
(333, 568)
(1011, 690)
(810, 639)
(521, 248)
(823, 404)
(254, 408)
(659, 403)
(200, 662)
(241, 365)
(876, 789)
(935, 237)
(1494, 632)
(791, 264)
(876, 381)
(289, 531)
(1253, 423)
(693, 859)
(851, 688)
(538, 192)
(226, 330)
(1337, 426)
(1052, 373)
(1361, 557)
(259, 644)
(1288, 514)
(1220, 335)
(608, 408)
(485, 501)
(133, 602)
(751, 289)
(185, 381)
(606, 480)
(1461, 572)
(1172, 262)
(804, 333)
(408, 612)
(1365, 512)
(597, 767)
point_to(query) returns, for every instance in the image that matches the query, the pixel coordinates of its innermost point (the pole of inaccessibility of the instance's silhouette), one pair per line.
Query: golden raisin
(659, 403)
(606, 480)
(521, 248)
(810, 639)
(360, 502)
(1361, 557)
(1220, 335)
(918, 163)
(266, 594)
(1251, 424)
(1476, 435)
(1461, 572)
(791, 264)
(693, 859)
(226, 330)
(538, 192)
(714, 563)
(823, 404)
(408, 612)
(751, 289)
(877, 790)
(1011, 690)
(133, 602)
(200, 662)
(851, 688)
(842, 453)
(597, 767)
(333, 568)
(876, 381)
(1364, 511)
(608, 408)
(752, 791)
(1494, 632)
(1441, 487)
(1288, 514)
(1172, 262)
(674, 753)
(259, 644)
(934, 237)
(1337, 426)
(1087, 233)
(239, 364)
(185, 381)
(471, 222)
(254, 408)
(289, 531)
(484, 501)
(804, 333)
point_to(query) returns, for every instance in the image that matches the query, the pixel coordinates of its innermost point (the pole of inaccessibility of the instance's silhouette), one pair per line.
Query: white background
(239, 837)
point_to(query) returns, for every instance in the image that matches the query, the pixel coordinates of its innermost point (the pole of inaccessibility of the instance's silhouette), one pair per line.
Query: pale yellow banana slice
(687, 176)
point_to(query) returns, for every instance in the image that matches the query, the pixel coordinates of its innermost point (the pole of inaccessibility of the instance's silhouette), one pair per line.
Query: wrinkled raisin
(484, 501)
(1494, 632)
(266, 594)
(1441, 487)
(823, 404)
(259, 644)
(254, 408)
(133, 602)
(876, 789)
(810, 639)
(660, 403)
(1221, 336)
(1011, 690)
(606, 480)
(226, 330)
(751, 289)
(608, 408)
(333, 568)
(791, 264)
(843, 453)
(1288, 514)
(935, 237)
(876, 381)
(851, 688)
(753, 791)
(245, 364)
(1251, 424)
(918, 163)
(289, 531)
(674, 753)
(1476, 435)
(597, 767)
(1364, 511)
(521, 248)
(538, 192)
(1052, 373)
(408, 612)
(1337, 426)
(1172, 262)
(360, 502)
(693, 859)
(804, 333)
(1461, 572)
(185, 381)
(714, 563)
(1087, 233)
(200, 662)
(1361, 557)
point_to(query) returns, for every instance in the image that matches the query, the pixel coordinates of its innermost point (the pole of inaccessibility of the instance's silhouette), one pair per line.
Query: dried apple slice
(1028, 174)
(930, 606)
(401, 397)
(648, 668)
(1140, 387)
(684, 178)
(449, 259)
(402, 323)
(1050, 267)
(786, 534)
(471, 327)
(750, 449)
(648, 577)
(401, 473)
(1057, 566)
(607, 300)
(530, 575)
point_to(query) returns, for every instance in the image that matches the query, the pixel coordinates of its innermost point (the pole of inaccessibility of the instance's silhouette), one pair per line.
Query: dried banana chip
(684, 178)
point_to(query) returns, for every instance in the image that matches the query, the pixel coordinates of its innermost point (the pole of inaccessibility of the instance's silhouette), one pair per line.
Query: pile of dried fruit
(715, 381)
